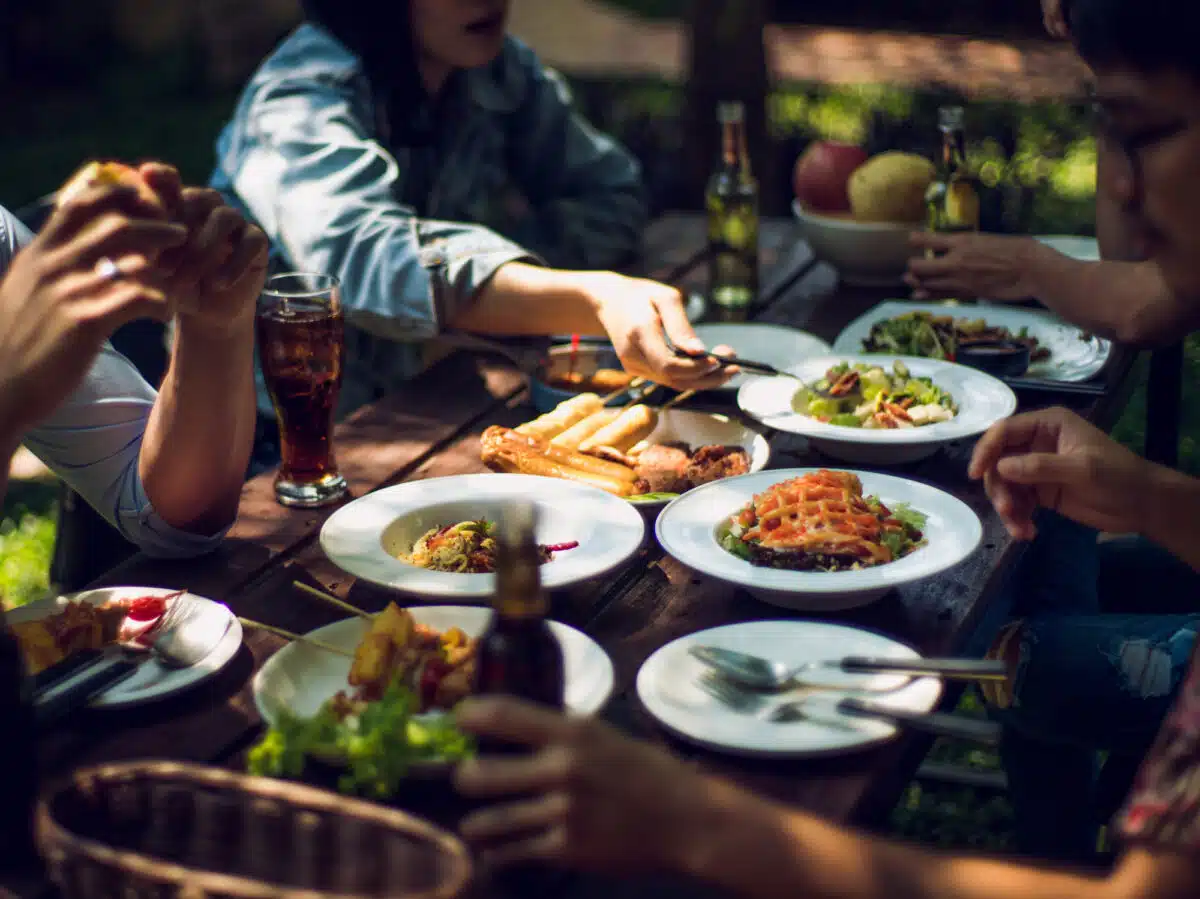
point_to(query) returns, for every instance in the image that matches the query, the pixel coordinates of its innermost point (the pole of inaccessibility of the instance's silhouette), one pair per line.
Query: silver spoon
(766, 674)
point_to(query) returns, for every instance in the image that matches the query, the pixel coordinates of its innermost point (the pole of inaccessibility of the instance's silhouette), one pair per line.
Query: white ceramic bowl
(869, 254)
(687, 529)
(982, 401)
(698, 429)
(364, 537)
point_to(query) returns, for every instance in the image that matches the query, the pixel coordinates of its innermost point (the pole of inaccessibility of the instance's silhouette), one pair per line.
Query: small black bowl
(1002, 358)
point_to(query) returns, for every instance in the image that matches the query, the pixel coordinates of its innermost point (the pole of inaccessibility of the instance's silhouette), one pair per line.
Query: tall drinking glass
(301, 347)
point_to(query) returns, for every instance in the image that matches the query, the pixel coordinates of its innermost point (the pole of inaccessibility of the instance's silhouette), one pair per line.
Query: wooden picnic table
(432, 429)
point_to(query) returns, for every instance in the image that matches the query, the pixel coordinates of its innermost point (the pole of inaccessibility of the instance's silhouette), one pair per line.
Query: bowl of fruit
(857, 211)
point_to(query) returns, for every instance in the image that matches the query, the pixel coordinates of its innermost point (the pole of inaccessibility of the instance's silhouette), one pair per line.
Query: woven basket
(164, 829)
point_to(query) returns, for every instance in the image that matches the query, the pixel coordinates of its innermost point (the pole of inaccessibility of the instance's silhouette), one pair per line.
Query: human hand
(636, 313)
(1054, 20)
(89, 271)
(1054, 459)
(215, 278)
(995, 266)
(587, 796)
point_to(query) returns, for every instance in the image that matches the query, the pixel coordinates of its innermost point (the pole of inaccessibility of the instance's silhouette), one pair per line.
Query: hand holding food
(1054, 459)
(88, 272)
(866, 396)
(639, 315)
(585, 795)
(996, 266)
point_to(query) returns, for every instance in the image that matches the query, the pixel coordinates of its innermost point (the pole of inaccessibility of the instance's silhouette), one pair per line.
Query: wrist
(1040, 266)
(710, 845)
(1169, 510)
(215, 334)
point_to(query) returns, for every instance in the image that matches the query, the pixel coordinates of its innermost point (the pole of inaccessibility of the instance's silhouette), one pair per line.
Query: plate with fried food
(420, 663)
(50, 630)
(433, 538)
(644, 455)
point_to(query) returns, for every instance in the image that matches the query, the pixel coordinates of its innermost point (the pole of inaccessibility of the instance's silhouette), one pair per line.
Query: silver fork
(939, 724)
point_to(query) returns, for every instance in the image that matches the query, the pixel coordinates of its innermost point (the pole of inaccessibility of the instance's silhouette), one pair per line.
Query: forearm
(201, 431)
(756, 850)
(1125, 301)
(1172, 510)
(526, 300)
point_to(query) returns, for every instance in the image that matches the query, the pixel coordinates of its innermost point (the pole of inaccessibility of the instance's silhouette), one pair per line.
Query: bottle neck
(519, 593)
(734, 154)
(954, 156)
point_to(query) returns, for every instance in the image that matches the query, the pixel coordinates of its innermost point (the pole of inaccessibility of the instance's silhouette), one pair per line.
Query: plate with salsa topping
(50, 630)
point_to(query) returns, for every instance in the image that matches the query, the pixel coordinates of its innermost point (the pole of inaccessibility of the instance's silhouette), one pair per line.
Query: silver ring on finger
(108, 270)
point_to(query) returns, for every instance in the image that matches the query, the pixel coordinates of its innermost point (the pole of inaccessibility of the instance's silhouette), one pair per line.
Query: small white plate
(300, 678)
(982, 401)
(152, 681)
(687, 529)
(1074, 355)
(362, 536)
(668, 686)
(773, 344)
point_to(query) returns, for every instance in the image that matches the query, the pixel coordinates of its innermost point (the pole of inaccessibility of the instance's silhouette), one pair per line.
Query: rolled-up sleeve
(324, 191)
(590, 208)
(93, 442)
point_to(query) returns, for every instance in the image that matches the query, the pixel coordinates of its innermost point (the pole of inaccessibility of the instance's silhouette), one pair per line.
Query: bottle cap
(950, 118)
(731, 112)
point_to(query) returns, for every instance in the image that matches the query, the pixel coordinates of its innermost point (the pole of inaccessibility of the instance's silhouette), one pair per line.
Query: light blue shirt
(93, 440)
(508, 171)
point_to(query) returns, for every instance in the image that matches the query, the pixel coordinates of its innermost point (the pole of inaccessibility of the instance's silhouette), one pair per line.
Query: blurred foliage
(27, 525)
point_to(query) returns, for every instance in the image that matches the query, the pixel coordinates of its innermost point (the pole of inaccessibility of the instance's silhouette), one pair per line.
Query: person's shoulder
(510, 79)
(310, 53)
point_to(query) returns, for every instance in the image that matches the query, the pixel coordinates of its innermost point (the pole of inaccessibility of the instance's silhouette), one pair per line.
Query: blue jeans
(1098, 645)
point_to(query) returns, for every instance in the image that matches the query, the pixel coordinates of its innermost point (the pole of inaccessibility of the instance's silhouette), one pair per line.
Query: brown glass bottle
(519, 654)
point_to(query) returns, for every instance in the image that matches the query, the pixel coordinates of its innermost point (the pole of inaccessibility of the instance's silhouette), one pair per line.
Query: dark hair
(379, 33)
(1150, 36)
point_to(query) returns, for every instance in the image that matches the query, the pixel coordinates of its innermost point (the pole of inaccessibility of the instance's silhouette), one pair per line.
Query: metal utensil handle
(940, 724)
(745, 364)
(60, 699)
(951, 669)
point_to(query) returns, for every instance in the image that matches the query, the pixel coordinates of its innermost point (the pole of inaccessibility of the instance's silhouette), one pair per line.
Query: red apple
(822, 173)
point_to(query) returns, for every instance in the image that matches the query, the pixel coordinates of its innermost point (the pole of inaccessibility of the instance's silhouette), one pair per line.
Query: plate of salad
(854, 535)
(1058, 351)
(878, 410)
(381, 708)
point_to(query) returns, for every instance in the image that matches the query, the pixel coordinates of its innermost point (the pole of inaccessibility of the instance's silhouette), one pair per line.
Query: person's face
(1149, 167)
(459, 34)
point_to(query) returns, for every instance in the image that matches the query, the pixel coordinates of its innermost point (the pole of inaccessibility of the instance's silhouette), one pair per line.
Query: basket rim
(50, 831)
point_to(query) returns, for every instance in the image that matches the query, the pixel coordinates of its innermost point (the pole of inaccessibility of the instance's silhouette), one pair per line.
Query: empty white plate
(669, 687)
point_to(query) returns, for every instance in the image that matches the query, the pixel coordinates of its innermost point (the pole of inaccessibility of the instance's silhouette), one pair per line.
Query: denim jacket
(413, 232)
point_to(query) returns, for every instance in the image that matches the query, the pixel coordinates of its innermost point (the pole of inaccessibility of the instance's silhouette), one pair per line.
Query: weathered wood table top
(432, 429)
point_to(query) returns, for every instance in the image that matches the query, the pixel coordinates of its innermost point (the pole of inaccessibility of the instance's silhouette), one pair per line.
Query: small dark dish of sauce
(1002, 358)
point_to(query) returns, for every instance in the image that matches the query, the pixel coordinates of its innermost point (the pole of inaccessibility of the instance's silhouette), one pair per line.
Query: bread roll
(630, 427)
(562, 416)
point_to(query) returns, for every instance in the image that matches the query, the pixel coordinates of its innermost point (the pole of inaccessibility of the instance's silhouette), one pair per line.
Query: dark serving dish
(1002, 358)
(545, 387)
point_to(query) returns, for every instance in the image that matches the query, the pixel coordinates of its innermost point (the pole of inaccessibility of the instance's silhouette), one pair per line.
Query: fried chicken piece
(712, 463)
(663, 469)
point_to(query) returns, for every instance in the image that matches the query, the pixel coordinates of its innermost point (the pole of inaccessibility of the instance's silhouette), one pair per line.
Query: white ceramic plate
(301, 678)
(982, 401)
(151, 681)
(773, 344)
(668, 686)
(698, 429)
(687, 529)
(363, 536)
(1074, 355)
(1085, 249)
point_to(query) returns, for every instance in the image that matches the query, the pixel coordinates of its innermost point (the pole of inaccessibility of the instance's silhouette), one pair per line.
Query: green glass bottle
(732, 203)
